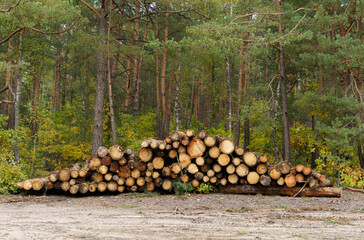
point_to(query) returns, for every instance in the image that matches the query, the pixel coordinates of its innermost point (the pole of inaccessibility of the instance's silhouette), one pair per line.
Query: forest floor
(151, 216)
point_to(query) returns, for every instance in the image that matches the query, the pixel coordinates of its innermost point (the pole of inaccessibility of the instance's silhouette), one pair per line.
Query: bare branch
(11, 7)
(11, 35)
(92, 9)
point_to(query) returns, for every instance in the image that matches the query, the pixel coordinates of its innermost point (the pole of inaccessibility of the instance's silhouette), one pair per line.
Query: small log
(181, 149)
(210, 173)
(150, 166)
(253, 178)
(39, 183)
(176, 168)
(184, 178)
(184, 160)
(175, 145)
(150, 186)
(133, 188)
(236, 161)
(116, 152)
(223, 159)
(230, 169)
(74, 189)
(129, 181)
(155, 175)
(168, 147)
(199, 176)
(202, 134)
(217, 167)
(290, 180)
(53, 176)
(84, 172)
(65, 186)
(115, 177)
(265, 180)
(140, 181)
(185, 141)
(312, 183)
(129, 151)
(103, 169)
(200, 161)
(209, 141)
(174, 175)
(206, 179)
(92, 188)
(274, 173)
(178, 136)
(144, 144)
(293, 171)
(49, 185)
(121, 189)
(83, 188)
(102, 152)
(124, 171)
(145, 154)
(166, 172)
(192, 168)
(233, 178)
(154, 144)
(283, 191)
(214, 152)
(135, 173)
(168, 140)
(263, 159)
(94, 163)
(101, 187)
(205, 168)
(242, 170)
(223, 182)
(72, 181)
(307, 171)
(158, 163)
(195, 183)
(27, 185)
(121, 181)
(57, 185)
(172, 154)
(162, 146)
(64, 174)
(284, 167)
(299, 168)
(167, 185)
(280, 181)
(300, 178)
(97, 177)
(219, 175)
(250, 159)
(20, 185)
(239, 151)
(108, 177)
(318, 176)
(114, 167)
(196, 148)
(326, 183)
(190, 133)
(106, 160)
(226, 146)
(261, 168)
(158, 182)
(213, 179)
(112, 186)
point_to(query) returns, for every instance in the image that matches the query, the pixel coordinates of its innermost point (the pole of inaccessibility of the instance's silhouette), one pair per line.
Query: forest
(281, 78)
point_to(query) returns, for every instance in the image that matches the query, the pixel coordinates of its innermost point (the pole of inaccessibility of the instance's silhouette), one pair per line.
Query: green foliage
(181, 188)
(10, 175)
(206, 188)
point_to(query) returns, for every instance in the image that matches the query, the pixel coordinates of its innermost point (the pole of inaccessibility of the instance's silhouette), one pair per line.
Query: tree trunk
(157, 90)
(8, 80)
(163, 78)
(127, 84)
(86, 97)
(19, 83)
(228, 84)
(201, 99)
(315, 154)
(286, 139)
(238, 105)
(169, 106)
(111, 104)
(176, 101)
(100, 82)
(136, 63)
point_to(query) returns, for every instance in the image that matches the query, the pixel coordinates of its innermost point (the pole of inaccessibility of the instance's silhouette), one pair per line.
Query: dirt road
(213, 216)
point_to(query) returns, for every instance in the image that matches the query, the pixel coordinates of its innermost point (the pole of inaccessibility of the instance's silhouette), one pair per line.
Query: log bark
(283, 191)
(265, 180)
(106, 160)
(284, 167)
(102, 152)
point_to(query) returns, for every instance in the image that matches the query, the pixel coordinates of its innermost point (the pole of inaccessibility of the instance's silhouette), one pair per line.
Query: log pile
(183, 156)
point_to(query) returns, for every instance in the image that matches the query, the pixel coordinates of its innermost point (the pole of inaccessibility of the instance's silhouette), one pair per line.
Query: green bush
(206, 188)
(9, 176)
(181, 188)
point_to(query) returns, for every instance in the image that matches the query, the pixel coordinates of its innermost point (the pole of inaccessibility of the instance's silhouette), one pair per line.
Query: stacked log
(183, 156)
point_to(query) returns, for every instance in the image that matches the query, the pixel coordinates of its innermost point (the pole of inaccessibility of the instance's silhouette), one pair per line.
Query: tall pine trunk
(157, 90)
(286, 151)
(163, 77)
(100, 82)
(136, 64)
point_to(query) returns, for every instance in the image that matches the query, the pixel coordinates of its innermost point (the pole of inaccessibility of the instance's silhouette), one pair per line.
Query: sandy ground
(213, 216)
